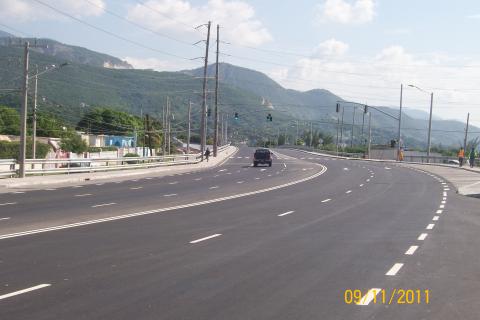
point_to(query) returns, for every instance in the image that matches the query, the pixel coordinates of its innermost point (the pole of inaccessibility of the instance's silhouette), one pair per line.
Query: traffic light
(338, 107)
(269, 117)
(209, 112)
(236, 115)
(365, 110)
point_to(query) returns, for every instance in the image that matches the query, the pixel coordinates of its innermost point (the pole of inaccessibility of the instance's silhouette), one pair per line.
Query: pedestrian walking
(461, 156)
(207, 153)
(472, 157)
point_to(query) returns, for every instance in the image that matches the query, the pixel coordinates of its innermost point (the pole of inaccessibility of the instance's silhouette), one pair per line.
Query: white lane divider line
(6, 218)
(423, 236)
(444, 194)
(442, 206)
(77, 187)
(240, 182)
(284, 164)
(149, 178)
(18, 192)
(222, 170)
(387, 168)
(170, 195)
(285, 213)
(99, 184)
(430, 226)
(394, 270)
(439, 212)
(361, 185)
(83, 195)
(444, 198)
(435, 218)
(216, 176)
(368, 297)
(263, 170)
(206, 238)
(136, 188)
(174, 182)
(411, 250)
(104, 204)
(257, 178)
(16, 293)
(214, 187)
(7, 204)
(368, 180)
(269, 175)
(346, 169)
(197, 179)
(349, 191)
(447, 189)
(160, 210)
(443, 202)
(326, 200)
(50, 189)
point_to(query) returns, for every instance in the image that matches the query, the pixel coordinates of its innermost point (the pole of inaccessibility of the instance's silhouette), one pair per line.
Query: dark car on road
(262, 156)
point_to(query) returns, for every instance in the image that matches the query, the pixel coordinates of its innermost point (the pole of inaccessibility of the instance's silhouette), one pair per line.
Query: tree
(110, 122)
(327, 139)
(9, 121)
(73, 143)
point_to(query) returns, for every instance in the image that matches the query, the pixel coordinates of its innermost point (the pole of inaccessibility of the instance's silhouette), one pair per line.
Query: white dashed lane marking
(326, 200)
(83, 195)
(430, 226)
(16, 293)
(435, 218)
(423, 236)
(206, 238)
(285, 213)
(411, 250)
(7, 204)
(214, 187)
(136, 188)
(349, 191)
(104, 205)
(170, 195)
(394, 270)
(368, 297)
(6, 218)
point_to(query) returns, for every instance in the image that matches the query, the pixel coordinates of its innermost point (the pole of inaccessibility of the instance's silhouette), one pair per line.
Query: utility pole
(466, 134)
(399, 148)
(363, 125)
(341, 126)
(296, 136)
(164, 129)
(34, 120)
(353, 126)
(144, 135)
(222, 136)
(226, 129)
(429, 128)
(203, 126)
(189, 125)
(215, 129)
(311, 134)
(23, 113)
(338, 127)
(369, 134)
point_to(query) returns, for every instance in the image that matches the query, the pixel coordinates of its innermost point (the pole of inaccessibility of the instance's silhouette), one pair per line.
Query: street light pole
(400, 123)
(34, 129)
(23, 114)
(429, 128)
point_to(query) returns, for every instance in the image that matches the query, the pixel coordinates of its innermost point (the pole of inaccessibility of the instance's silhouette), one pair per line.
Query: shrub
(11, 150)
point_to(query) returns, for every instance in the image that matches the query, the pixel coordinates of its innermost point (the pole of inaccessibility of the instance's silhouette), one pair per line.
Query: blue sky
(359, 49)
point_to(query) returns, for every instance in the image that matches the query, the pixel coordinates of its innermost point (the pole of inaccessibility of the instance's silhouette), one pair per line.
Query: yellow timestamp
(383, 296)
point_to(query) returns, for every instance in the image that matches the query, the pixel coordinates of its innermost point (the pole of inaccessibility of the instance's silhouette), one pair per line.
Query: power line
(110, 33)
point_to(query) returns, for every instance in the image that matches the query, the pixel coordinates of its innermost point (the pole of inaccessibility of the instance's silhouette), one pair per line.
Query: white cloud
(331, 47)
(342, 11)
(24, 10)
(236, 18)
(376, 79)
(398, 31)
(158, 64)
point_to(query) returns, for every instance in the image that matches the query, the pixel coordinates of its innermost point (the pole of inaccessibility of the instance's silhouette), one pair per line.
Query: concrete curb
(11, 183)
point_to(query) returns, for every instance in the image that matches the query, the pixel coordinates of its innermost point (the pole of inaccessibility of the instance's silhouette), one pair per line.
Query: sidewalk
(466, 180)
(33, 182)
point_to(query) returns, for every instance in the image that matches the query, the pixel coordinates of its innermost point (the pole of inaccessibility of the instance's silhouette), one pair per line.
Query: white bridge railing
(9, 167)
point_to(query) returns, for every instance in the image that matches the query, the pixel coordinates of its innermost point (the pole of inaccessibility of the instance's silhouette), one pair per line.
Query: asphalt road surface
(237, 242)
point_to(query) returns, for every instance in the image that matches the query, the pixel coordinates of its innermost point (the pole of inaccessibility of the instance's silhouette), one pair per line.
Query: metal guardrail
(8, 167)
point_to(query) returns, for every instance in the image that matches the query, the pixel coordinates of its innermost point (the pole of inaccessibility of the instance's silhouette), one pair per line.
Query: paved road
(237, 242)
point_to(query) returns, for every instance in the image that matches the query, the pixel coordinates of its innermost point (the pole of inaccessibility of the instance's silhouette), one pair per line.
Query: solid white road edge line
(393, 270)
(6, 218)
(7, 204)
(206, 238)
(83, 195)
(16, 293)
(154, 211)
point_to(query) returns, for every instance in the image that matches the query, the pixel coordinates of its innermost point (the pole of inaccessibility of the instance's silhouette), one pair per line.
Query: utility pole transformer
(203, 127)
(215, 130)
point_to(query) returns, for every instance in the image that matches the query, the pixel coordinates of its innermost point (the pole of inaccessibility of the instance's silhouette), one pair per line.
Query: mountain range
(95, 79)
